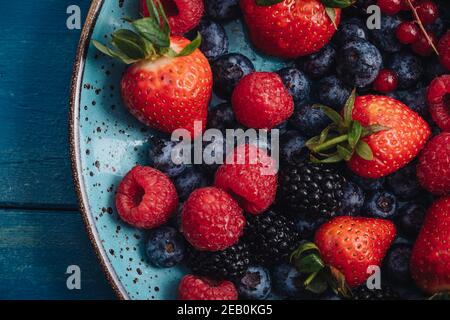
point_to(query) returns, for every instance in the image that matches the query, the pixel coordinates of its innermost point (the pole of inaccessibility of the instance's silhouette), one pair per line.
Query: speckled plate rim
(74, 143)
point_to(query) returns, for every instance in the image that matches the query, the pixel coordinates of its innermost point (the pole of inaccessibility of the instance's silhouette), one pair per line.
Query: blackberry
(364, 293)
(230, 264)
(313, 189)
(271, 237)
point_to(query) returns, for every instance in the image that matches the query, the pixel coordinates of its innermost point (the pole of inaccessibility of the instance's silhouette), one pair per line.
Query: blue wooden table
(41, 230)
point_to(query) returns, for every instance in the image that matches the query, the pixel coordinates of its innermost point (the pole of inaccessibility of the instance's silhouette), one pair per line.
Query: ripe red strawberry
(249, 175)
(430, 259)
(377, 136)
(261, 101)
(433, 169)
(183, 15)
(438, 97)
(169, 83)
(444, 50)
(211, 220)
(146, 198)
(195, 288)
(290, 28)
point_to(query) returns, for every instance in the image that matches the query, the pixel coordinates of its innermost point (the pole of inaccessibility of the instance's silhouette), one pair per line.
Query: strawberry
(344, 248)
(291, 28)
(376, 135)
(169, 83)
(430, 259)
(433, 169)
(183, 15)
(438, 98)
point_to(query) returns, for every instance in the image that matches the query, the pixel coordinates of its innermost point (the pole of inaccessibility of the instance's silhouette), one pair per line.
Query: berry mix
(364, 170)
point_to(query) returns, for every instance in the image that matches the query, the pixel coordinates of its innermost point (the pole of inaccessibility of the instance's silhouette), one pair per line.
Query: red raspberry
(146, 198)
(390, 7)
(212, 220)
(427, 11)
(407, 32)
(249, 175)
(433, 169)
(386, 81)
(261, 101)
(422, 46)
(438, 97)
(195, 288)
(183, 15)
(444, 50)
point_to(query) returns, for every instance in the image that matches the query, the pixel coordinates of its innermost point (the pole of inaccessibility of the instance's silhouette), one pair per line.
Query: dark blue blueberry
(396, 263)
(415, 99)
(190, 180)
(366, 184)
(319, 64)
(214, 39)
(384, 38)
(287, 281)
(222, 117)
(433, 68)
(362, 5)
(213, 155)
(228, 70)
(410, 219)
(358, 63)
(380, 204)
(255, 284)
(160, 156)
(353, 200)
(165, 247)
(403, 183)
(297, 83)
(292, 149)
(408, 67)
(306, 225)
(222, 10)
(437, 28)
(283, 127)
(308, 120)
(332, 92)
(350, 29)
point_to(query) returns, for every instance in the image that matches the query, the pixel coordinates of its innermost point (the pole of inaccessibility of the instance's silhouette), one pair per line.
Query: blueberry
(319, 64)
(353, 200)
(297, 83)
(190, 180)
(222, 10)
(287, 281)
(403, 183)
(308, 120)
(350, 29)
(213, 155)
(437, 28)
(222, 117)
(408, 67)
(332, 92)
(415, 99)
(366, 184)
(255, 284)
(214, 39)
(396, 263)
(165, 247)
(410, 219)
(160, 156)
(358, 63)
(384, 38)
(380, 204)
(306, 225)
(228, 70)
(433, 68)
(293, 148)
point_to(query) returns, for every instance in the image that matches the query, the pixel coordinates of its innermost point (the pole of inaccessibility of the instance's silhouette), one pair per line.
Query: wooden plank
(36, 56)
(35, 250)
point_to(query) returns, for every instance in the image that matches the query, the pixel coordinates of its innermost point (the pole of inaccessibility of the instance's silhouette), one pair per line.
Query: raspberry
(433, 169)
(211, 220)
(438, 98)
(183, 15)
(195, 288)
(250, 178)
(444, 50)
(386, 81)
(261, 101)
(407, 32)
(146, 198)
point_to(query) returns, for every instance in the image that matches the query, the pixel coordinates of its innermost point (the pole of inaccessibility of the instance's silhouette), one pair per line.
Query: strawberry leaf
(309, 264)
(355, 133)
(151, 31)
(191, 47)
(338, 3)
(348, 108)
(330, 113)
(331, 13)
(116, 54)
(130, 43)
(267, 3)
(331, 159)
(345, 153)
(364, 151)
(316, 283)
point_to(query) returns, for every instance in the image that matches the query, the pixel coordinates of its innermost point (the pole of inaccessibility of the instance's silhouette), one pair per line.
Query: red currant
(407, 32)
(405, 6)
(422, 46)
(386, 81)
(427, 11)
(390, 7)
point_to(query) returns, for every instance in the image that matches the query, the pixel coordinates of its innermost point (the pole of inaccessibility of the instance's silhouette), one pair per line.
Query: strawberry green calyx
(338, 3)
(149, 39)
(318, 276)
(343, 138)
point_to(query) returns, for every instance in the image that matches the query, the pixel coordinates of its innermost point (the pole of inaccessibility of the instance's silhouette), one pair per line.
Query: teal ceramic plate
(106, 142)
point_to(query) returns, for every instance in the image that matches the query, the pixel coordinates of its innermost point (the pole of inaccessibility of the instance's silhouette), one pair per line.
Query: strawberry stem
(330, 143)
(422, 28)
